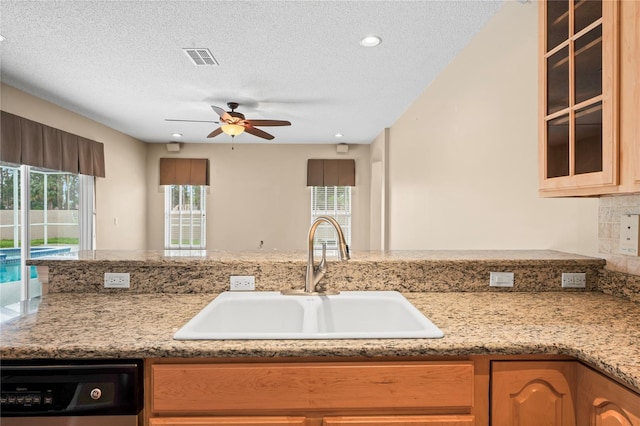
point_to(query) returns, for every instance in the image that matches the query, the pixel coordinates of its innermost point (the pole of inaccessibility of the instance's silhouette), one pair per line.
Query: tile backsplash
(611, 209)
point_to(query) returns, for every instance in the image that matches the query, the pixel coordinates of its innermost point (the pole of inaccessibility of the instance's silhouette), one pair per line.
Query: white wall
(463, 158)
(379, 213)
(121, 194)
(258, 193)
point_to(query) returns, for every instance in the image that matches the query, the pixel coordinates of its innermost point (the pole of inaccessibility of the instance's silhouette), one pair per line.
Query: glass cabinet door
(578, 139)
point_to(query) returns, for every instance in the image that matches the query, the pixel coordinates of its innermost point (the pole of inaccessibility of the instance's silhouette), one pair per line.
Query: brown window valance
(23, 141)
(184, 171)
(331, 173)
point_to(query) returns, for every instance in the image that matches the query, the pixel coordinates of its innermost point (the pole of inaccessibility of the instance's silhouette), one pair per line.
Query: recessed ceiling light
(177, 135)
(339, 135)
(371, 41)
(2, 38)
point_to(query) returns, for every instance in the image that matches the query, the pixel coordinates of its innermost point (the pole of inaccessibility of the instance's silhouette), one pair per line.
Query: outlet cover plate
(574, 280)
(629, 234)
(117, 280)
(501, 279)
(243, 283)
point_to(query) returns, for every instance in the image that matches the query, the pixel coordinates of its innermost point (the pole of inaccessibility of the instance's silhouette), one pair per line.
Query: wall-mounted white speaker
(173, 147)
(342, 148)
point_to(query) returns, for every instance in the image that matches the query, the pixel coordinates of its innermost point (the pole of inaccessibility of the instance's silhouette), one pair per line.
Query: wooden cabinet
(533, 393)
(602, 402)
(325, 421)
(630, 96)
(229, 421)
(589, 97)
(509, 390)
(429, 393)
(554, 393)
(399, 421)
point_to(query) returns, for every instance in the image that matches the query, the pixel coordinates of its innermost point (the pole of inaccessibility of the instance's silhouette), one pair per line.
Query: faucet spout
(315, 274)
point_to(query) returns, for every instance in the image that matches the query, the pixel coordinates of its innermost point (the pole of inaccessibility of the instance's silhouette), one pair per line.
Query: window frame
(183, 215)
(342, 213)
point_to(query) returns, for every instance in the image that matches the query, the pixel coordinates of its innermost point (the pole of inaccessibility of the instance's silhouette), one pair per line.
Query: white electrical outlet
(574, 280)
(116, 280)
(501, 279)
(629, 234)
(243, 283)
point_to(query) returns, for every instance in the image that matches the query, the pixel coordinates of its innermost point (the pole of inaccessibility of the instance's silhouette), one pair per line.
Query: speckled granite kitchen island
(79, 318)
(598, 329)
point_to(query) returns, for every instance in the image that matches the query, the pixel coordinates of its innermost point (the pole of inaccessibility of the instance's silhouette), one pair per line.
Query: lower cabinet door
(602, 402)
(454, 420)
(229, 421)
(532, 393)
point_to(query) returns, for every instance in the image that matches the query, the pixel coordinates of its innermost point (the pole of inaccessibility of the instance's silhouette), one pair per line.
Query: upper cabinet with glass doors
(579, 105)
(589, 97)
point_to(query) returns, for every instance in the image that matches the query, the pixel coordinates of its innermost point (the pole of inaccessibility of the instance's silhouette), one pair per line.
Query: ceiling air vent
(201, 56)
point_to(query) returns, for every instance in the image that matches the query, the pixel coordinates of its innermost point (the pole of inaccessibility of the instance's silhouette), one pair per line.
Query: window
(332, 201)
(185, 217)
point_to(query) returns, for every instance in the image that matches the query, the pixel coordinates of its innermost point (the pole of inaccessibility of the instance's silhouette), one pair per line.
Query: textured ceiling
(121, 63)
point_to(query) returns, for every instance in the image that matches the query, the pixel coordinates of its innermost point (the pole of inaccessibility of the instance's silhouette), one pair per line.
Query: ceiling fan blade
(257, 132)
(192, 121)
(269, 122)
(215, 133)
(222, 113)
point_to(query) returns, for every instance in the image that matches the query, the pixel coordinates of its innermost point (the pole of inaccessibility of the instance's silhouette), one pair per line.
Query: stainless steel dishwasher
(71, 393)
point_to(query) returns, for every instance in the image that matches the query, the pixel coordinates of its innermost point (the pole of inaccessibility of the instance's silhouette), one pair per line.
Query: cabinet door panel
(533, 393)
(630, 93)
(228, 421)
(608, 414)
(602, 402)
(222, 388)
(399, 420)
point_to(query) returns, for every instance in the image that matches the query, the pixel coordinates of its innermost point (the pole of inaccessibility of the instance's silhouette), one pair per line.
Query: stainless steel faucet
(315, 273)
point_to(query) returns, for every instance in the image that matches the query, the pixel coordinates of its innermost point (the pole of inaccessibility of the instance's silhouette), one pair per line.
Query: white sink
(271, 315)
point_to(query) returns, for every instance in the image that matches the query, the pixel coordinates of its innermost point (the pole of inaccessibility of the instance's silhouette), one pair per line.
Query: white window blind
(332, 201)
(185, 217)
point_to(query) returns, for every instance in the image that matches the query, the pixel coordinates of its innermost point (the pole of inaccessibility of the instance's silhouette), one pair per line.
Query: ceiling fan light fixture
(232, 129)
(370, 41)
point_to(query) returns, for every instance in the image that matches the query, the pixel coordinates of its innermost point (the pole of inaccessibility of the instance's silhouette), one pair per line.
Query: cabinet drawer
(310, 386)
(399, 420)
(228, 421)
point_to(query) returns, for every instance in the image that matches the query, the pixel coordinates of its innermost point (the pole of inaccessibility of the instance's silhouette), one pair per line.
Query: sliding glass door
(51, 224)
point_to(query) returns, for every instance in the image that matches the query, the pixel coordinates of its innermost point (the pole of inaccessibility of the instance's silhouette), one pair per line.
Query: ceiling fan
(234, 123)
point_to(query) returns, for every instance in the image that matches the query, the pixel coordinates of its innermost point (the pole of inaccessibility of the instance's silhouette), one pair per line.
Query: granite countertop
(598, 329)
(156, 257)
(406, 271)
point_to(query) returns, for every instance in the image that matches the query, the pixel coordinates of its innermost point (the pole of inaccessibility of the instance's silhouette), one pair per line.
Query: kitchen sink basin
(271, 315)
